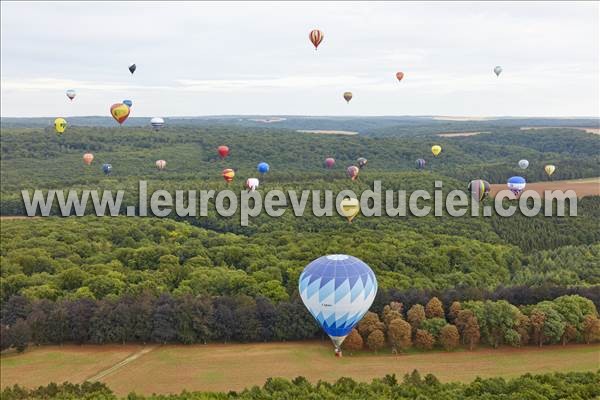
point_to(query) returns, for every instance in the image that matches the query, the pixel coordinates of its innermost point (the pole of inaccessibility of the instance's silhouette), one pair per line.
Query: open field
(459, 134)
(583, 187)
(595, 131)
(169, 369)
(327, 132)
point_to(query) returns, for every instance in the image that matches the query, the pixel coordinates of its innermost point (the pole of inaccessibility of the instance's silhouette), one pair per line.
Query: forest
(563, 386)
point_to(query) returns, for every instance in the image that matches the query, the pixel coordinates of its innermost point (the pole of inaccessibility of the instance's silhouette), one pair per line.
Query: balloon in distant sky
(132, 68)
(479, 189)
(329, 162)
(263, 168)
(436, 150)
(119, 112)
(252, 184)
(362, 162)
(157, 123)
(128, 103)
(223, 151)
(316, 37)
(88, 158)
(523, 164)
(549, 169)
(347, 96)
(60, 124)
(228, 174)
(337, 290)
(350, 208)
(420, 163)
(107, 169)
(71, 94)
(497, 70)
(161, 164)
(399, 75)
(516, 184)
(352, 172)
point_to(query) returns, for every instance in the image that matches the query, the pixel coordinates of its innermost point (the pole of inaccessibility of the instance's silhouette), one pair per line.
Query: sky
(199, 58)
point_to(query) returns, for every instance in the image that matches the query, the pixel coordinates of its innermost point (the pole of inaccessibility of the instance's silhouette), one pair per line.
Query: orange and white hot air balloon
(161, 164)
(316, 37)
(228, 174)
(88, 158)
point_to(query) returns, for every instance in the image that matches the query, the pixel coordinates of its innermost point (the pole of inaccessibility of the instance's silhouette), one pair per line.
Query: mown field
(167, 369)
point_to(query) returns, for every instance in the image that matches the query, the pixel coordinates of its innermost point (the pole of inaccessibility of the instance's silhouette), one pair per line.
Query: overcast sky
(255, 58)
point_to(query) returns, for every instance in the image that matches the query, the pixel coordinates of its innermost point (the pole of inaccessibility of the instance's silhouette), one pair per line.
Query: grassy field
(170, 369)
(583, 187)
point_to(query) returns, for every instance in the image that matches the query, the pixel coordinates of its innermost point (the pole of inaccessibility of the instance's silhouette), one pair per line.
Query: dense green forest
(570, 386)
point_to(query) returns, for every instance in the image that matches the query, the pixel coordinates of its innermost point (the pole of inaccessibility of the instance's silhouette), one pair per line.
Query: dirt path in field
(121, 364)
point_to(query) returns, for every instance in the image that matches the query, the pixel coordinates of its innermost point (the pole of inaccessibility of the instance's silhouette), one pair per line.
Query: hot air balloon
(107, 169)
(479, 189)
(523, 164)
(71, 94)
(228, 174)
(60, 124)
(132, 68)
(263, 168)
(347, 96)
(362, 162)
(119, 112)
(436, 150)
(549, 169)
(128, 103)
(497, 70)
(316, 37)
(157, 123)
(399, 75)
(161, 164)
(337, 290)
(420, 163)
(329, 162)
(223, 151)
(352, 172)
(251, 184)
(88, 158)
(350, 208)
(516, 184)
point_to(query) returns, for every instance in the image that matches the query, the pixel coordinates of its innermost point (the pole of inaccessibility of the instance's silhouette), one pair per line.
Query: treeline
(188, 319)
(555, 386)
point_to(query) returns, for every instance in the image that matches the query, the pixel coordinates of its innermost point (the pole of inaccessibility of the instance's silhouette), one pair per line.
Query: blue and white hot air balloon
(338, 290)
(516, 184)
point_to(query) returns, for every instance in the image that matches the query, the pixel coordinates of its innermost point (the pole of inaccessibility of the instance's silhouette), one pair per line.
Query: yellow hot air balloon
(60, 124)
(350, 208)
(436, 150)
(549, 169)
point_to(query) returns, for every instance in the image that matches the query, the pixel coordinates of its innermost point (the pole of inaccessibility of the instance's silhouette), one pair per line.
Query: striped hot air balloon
(316, 37)
(228, 174)
(352, 172)
(479, 189)
(161, 164)
(516, 184)
(420, 163)
(252, 184)
(337, 290)
(157, 123)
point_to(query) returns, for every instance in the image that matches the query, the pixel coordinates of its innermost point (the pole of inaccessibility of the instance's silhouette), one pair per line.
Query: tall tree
(424, 340)
(353, 342)
(449, 337)
(399, 333)
(376, 340)
(415, 316)
(434, 308)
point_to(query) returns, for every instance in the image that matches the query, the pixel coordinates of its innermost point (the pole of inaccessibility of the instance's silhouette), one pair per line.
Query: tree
(353, 342)
(434, 308)
(369, 323)
(399, 333)
(20, 335)
(449, 337)
(523, 329)
(454, 310)
(569, 334)
(376, 340)
(164, 320)
(415, 316)
(537, 318)
(424, 340)
(468, 327)
(391, 312)
(434, 326)
(591, 328)
(4, 337)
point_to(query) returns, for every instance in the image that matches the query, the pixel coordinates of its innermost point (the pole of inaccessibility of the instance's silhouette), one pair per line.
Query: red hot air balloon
(228, 174)
(329, 162)
(399, 75)
(316, 37)
(223, 151)
(352, 172)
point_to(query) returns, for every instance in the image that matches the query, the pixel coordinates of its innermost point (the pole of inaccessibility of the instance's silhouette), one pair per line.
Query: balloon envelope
(479, 189)
(71, 94)
(549, 169)
(161, 164)
(132, 68)
(497, 70)
(223, 151)
(350, 207)
(329, 162)
(316, 37)
(228, 174)
(420, 163)
(263, 167)
(88, 158)
(523, 164)
(60, 124)
(362, 162)
(252, 184)
(107, 169)
(119, 112)
(352, 172)
(157, 123)
(337, 290)
(399, 75)
(348, 96)
(436, 150)
(128, 103)
(516, 184)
